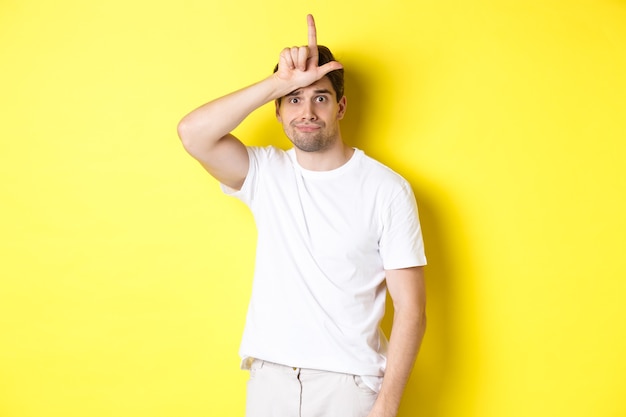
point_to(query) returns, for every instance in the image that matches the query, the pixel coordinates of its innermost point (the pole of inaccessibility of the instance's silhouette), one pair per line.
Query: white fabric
(324, 241)
(283, 391)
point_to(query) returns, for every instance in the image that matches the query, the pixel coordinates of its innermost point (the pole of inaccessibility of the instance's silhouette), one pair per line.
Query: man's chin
(314, 142)
(308, 147)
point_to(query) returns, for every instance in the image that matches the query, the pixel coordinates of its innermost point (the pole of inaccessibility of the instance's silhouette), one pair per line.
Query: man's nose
(308, 111)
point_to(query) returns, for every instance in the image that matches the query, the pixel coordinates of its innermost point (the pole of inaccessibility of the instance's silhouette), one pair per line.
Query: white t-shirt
(325, 239)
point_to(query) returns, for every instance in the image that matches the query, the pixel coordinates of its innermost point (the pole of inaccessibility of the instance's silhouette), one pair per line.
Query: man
(336, 230)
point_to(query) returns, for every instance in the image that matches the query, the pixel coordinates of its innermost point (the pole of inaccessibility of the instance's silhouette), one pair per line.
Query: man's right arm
(205, 132)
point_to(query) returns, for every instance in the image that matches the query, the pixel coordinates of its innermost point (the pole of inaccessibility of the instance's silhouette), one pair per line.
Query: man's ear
(277, 104)
(343, 103)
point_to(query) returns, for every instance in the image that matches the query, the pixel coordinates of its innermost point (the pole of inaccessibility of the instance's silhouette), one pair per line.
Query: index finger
(312, 32)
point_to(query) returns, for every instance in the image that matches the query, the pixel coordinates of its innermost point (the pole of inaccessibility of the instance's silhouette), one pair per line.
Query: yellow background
(125, 273)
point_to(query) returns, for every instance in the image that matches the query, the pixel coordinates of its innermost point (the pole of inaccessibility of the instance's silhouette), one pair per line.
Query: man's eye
(320, 99)
(294, 100)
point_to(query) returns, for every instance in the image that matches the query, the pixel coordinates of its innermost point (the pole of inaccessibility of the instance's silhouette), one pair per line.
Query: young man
(336, 230)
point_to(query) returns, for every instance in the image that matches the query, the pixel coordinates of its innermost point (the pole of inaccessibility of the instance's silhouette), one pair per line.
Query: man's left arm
(407, 290)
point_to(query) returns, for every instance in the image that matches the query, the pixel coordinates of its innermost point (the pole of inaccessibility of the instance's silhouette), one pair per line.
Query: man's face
(310, 116)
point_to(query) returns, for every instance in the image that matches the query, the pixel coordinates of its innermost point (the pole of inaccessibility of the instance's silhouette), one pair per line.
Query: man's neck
(325, 160)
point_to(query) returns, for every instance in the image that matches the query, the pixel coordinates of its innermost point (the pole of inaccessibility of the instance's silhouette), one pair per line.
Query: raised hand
(299, 65)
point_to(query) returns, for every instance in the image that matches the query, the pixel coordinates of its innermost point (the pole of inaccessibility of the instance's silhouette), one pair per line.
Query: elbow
(198, 137)
(185, 134)
(421, 323)
(419, 320)
(190, 137)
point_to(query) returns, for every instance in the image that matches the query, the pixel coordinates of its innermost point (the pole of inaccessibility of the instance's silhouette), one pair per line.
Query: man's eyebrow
(299, 92)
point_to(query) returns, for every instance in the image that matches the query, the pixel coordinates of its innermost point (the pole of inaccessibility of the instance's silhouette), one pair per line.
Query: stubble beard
(312, 141)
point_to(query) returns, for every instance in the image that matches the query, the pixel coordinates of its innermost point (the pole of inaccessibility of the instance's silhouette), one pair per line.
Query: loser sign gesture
(299, 65)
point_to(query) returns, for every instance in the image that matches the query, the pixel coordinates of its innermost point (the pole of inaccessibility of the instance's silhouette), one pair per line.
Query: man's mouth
(307, 127)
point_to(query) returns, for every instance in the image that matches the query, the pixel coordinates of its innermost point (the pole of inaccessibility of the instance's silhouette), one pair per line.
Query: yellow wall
(124, 272)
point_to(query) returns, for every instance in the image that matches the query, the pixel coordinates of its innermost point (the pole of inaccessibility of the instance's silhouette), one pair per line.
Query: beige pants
(281, 391)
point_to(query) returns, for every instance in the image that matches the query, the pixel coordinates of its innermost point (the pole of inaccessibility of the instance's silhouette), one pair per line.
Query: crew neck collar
(307, 173)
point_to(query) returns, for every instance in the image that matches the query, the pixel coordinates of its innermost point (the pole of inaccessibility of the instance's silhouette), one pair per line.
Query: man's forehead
(321, 86)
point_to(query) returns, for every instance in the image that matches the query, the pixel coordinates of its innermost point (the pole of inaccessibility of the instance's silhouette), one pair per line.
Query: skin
(309, 112)
(310, 118)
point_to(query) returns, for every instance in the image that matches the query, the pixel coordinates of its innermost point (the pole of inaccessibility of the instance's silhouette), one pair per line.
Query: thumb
(328, 67)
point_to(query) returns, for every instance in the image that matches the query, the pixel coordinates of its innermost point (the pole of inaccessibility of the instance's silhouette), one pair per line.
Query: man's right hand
(298, 66)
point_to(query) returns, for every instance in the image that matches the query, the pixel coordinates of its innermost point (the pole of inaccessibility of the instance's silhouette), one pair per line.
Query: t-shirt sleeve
(246, 193)
(401, 244)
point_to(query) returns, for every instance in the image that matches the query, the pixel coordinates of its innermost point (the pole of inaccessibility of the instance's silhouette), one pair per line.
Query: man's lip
(307, 127)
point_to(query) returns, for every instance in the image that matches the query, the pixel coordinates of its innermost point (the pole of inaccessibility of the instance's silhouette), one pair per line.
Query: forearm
(407, 332)
(206, 125)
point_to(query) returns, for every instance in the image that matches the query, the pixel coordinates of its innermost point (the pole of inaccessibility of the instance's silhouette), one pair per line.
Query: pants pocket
(363, 386)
